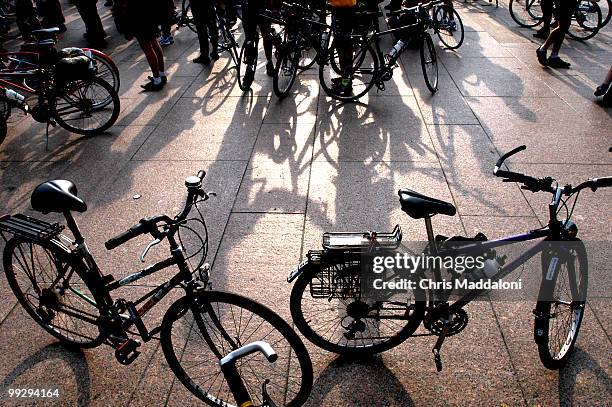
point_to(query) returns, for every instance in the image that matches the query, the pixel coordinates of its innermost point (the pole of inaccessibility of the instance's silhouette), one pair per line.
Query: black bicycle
(367, 66)
(330, 308)
(586, 21)
(57, 281)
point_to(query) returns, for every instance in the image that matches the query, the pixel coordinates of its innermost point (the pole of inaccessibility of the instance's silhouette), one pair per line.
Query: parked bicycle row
(228, 349)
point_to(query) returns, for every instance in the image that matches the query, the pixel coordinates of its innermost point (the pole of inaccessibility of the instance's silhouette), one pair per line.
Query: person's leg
(547, 9)
(605, 85)
(565, 19)
(94, 31)
(213, 30)
(199, 18)
(26, 17)
(159, 54)
(150, 48)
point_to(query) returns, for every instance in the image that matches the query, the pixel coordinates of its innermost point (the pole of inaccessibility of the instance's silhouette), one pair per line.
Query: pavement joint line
(515, 374)
(599, 322)
(269, 213)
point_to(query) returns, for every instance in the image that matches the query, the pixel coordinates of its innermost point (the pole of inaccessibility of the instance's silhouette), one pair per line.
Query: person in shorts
(556, 36)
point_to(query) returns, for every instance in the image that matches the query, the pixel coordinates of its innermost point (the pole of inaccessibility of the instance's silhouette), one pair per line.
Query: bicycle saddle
(419, 206)
(57, 196)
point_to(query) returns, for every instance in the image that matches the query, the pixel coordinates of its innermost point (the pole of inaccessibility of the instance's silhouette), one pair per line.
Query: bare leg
(151, 55)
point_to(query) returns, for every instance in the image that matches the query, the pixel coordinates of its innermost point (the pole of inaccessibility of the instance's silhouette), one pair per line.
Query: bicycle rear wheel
(105, 68)
(448, 26)
(186, 17)
(286, 69)
(586, 21)
(331, 317)
(194, 336)
(52, 291)
(82, 106)
(526, 13)
(429, 63)
(361, 73)
(560, 310)
(228, 42)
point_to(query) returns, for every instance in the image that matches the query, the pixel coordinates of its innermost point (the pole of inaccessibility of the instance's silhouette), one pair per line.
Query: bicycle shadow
(75, 360)
(377, 383)
(580, 363)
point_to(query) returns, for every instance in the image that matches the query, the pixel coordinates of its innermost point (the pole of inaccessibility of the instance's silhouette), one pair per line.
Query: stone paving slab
(286, 171)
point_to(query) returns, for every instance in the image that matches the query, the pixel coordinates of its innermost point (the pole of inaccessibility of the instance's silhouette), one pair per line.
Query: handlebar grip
(508, 154)
(602, 182)
(134, 231)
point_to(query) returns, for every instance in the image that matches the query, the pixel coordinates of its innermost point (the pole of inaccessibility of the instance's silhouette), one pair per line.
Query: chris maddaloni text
(463, 284)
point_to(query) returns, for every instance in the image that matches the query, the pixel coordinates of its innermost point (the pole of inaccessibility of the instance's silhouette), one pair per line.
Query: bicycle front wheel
(526, 13)
(448, 26)
(194, 336)
(186, 17)
(286, 69)
(52, 291)
(586, 21)
(327, 313)
(82, 106)
(247, 62)
(560, 308)
(429, 63)
(105, 68)
(228, 41)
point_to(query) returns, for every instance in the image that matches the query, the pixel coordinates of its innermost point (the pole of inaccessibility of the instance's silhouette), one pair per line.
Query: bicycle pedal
(126, 353)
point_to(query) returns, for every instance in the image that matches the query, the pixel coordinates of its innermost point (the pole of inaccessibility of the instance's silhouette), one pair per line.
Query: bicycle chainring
(458, 322)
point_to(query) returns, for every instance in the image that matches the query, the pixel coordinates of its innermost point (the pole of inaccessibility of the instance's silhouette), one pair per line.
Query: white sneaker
(166, 40)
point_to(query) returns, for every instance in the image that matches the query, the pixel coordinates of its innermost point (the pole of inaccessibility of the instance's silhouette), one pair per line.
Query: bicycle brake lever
(146, 250)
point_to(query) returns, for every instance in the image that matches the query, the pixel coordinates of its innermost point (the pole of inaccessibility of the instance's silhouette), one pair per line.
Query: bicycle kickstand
(438, 345)
(52, 124)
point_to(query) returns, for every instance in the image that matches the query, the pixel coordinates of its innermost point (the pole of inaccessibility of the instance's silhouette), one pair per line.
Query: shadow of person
(580, 363)
(378, 385)
(74, 359)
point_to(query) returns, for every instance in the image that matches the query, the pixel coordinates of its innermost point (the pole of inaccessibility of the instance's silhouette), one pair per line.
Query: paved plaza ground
(286, 171)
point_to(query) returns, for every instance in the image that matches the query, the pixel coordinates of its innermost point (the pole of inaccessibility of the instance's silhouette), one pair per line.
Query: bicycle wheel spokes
(527, 13)
(586, 21)
(429, 63)
(82, 107)
(194, 343)
(53, 294)
(449, 27)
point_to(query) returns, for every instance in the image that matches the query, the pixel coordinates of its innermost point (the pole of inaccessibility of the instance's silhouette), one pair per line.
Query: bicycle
(369, 66)
(67, 91)
(304, 33)
(586, 19)
(329, 308)
(58, 282)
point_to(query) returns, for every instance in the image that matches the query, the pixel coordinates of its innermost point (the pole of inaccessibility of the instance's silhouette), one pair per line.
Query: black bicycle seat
(419, 206)
(57, 196)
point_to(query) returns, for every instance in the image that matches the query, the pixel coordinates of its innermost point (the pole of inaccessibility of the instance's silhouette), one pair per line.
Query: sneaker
(541, 54)
(542, 33)
(601, 89)
(202, 59)
(165, 40)
(152, 86)
(556, 62)
(270, 69)
(249, 77)
(164, 79)
(342, 87)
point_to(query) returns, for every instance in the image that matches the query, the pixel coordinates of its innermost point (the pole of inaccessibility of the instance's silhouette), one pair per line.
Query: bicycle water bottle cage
(29, 228)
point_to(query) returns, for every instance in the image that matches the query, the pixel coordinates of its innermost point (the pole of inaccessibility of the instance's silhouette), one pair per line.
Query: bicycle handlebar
(149, 225)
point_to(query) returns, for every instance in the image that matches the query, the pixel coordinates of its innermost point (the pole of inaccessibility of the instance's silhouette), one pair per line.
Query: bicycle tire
(186, 18)
(346, 344)
(448, 30)
(552, 275)
(286, 68)
(109, 71)
(245, 80)
(365, 68)
(429, 59)
(84, 105)
(55, 256)
(285, 342)
(606, 15)
(3, 129)
(578, 29)
(229, 41)
(526, 13)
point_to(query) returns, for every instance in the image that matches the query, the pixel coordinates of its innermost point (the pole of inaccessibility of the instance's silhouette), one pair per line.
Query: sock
(162, 74)
(156, 80)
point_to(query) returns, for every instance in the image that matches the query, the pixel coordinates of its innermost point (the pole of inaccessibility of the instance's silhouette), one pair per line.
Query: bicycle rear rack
(29, 228)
